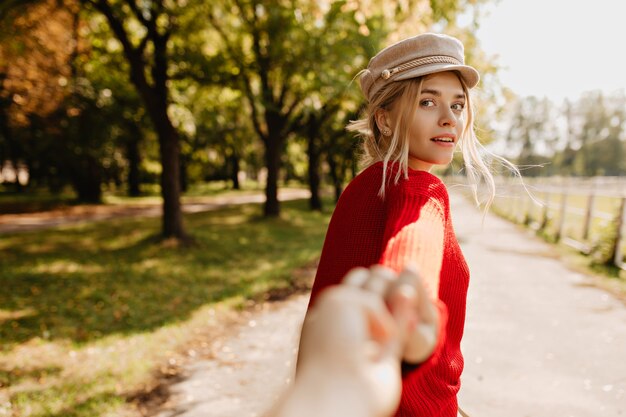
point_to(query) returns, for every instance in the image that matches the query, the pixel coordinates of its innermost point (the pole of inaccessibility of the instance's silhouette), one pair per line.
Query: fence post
(588, 215)
(546, 209)
(559, 233)
(621, 221)
(528, 218)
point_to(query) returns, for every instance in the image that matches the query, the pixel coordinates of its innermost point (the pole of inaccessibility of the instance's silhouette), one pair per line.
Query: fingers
(349, 325)
(379, 280)
(356, 277)
(376, 280)
(413, 314)
(403, 296)
(371, 287)
(416, 315)
(379, 325)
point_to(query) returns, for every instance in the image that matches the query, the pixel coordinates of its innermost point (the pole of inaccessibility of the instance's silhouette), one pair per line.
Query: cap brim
(469, 74)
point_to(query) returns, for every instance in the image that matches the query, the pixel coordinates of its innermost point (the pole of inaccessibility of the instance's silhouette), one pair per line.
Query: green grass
(89, 312)
(28, 202)
(517, 208)
(31, 201)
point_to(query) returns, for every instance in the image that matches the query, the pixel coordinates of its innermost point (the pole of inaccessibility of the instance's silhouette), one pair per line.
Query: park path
(13, 223)
(540, 340)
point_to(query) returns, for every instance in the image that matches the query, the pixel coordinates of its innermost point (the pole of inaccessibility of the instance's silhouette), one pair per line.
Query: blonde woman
(396, 213)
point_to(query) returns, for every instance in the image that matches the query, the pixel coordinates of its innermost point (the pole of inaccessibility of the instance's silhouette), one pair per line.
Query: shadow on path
(13, 223)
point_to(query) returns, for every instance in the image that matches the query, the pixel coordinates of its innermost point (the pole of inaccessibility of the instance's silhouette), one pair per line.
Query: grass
(197, 190)
(90, 312)
(28, 202)
(519, 208)
(42, 200)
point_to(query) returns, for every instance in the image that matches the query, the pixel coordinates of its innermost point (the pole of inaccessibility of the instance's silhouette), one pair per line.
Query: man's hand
(353, 341)
(350, 348)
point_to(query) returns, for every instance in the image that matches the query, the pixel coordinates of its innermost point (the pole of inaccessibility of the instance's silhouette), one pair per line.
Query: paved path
(249, 371)
(11, 223)
(540, 341)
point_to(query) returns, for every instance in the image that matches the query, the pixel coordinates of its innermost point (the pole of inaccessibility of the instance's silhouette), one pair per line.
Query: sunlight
(558, 48)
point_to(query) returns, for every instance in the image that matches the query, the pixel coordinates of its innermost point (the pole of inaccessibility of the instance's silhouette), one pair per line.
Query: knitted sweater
(410, 225)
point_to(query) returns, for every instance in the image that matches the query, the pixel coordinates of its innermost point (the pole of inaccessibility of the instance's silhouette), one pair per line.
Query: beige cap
(414, 57)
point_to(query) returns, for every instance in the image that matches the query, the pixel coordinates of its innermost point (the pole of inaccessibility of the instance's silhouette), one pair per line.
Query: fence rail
(586, 214)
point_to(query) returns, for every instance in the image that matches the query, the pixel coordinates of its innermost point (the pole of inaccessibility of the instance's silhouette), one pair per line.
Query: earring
(387, 131)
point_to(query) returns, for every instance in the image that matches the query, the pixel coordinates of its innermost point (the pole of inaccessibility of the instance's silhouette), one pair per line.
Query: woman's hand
(416, 314)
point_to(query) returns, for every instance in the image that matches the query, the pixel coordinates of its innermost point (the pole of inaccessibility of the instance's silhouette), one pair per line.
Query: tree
(224, 126)
(335, 36)
(532, 133)
(35, 55)
(68, 128)
(269, 76)
(277, 50)
(600, 135)
(147, 55)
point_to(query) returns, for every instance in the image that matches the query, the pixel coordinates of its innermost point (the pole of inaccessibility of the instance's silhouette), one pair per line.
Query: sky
(557, 48)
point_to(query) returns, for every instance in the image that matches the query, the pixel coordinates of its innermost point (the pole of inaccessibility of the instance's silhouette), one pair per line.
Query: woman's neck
(419, 165)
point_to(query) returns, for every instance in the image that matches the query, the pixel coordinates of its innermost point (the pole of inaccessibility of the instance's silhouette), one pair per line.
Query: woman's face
(437, 124)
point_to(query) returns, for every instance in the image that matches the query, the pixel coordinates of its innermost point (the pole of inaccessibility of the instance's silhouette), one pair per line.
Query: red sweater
(411, 225)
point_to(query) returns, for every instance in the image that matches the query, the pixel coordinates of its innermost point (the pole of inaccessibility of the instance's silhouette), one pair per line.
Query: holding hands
(353, 341)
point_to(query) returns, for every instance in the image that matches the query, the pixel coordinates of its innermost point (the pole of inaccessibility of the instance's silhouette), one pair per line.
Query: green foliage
(582, 138)
(603, 249)
(238, 70)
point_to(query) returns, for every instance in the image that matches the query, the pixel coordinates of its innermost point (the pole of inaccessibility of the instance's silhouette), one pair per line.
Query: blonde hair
(393, 150)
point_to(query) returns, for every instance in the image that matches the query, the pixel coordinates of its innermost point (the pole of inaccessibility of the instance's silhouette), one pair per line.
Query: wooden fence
(587, 214)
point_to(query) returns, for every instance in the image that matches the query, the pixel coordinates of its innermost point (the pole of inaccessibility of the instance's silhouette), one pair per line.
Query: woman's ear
(382, 121)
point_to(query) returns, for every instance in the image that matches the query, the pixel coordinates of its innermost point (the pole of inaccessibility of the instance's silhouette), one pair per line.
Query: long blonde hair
(393, 150)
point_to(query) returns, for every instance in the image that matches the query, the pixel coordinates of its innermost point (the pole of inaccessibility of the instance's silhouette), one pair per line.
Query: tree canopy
(101, 94)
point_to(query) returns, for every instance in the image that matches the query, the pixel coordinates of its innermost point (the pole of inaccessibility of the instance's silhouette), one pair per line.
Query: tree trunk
(18, 185)
(334, 174)
(272, 162)
(338, 190)
(170, 178)
(234, 171)
(184, 178)
(314, 168)
(169, 151)
(87, 180)
(169, 144)
(155, 98)
(134, 160)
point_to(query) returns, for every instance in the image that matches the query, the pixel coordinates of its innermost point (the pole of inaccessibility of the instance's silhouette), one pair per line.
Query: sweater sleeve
(355, 233)
(414, 232)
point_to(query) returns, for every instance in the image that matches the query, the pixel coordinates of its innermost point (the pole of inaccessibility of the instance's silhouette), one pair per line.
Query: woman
(396, 213)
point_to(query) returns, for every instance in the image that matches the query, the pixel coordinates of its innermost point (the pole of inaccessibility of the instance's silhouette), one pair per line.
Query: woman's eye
(458, 106)
(427, 103)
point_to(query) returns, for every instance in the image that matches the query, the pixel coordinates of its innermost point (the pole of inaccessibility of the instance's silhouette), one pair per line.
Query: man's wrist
(318, 391)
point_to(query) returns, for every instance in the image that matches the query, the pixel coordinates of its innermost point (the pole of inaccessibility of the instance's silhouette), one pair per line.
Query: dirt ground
(541, 340)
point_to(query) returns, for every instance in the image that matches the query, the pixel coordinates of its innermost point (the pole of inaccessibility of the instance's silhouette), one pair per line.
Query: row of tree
(110, 91)
(585, 137)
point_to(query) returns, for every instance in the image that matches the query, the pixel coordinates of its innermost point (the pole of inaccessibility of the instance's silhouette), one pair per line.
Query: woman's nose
(447, 118)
